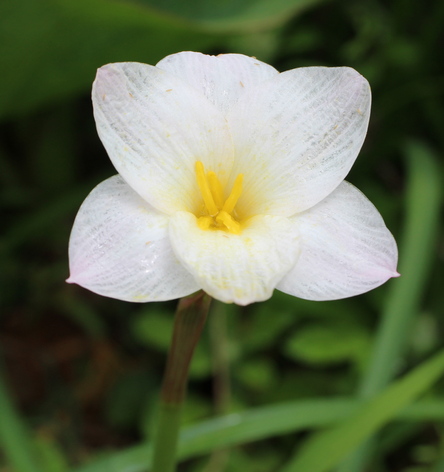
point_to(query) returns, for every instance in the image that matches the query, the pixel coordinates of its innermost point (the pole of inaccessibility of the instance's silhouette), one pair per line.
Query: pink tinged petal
(119, 248)
(222, 79)
(154, 127)
(297, 136)
(346, 248)
(241, 268)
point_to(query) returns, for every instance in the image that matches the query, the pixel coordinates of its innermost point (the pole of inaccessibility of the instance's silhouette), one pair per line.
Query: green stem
(164, 458)
(189, 320)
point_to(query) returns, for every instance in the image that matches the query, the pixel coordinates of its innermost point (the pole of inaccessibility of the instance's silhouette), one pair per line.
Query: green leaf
(423, 200)
(423, 206)
(327, 449)
(262, 330)
(15, 440)
(53, 47)
(36, 223)
(253, 425)
(327, 344)
(234, 15)
(257, 374)
(50, 454)
(126, 398)
(439, 466)
(153, 328)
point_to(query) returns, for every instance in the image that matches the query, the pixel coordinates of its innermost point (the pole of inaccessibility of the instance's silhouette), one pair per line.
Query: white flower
(231, 181)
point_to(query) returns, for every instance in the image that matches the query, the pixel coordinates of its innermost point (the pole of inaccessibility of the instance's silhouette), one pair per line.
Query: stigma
(217, 213)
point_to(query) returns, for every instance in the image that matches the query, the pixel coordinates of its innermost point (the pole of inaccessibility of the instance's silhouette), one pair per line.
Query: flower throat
(217, 213)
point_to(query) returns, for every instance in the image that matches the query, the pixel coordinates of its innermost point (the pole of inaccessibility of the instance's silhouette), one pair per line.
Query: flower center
(217, 213)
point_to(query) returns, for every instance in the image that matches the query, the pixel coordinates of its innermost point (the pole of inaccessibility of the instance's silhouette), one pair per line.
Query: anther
(204, 187)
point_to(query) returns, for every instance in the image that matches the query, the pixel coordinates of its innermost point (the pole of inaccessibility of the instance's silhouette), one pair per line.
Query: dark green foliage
(81, 373)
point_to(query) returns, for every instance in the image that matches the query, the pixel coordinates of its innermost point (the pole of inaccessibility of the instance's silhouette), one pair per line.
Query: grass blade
(423, 205)
(14, 438)
(256, 424)
(326, 449)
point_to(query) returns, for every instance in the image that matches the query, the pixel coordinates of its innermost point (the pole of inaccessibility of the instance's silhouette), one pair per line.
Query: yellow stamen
(204, 222)
(216, 189)
(205, 189)
(217, 213)
(231, 201)
(229, 222)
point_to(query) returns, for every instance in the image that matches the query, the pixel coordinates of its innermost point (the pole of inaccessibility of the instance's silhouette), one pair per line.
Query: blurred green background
(80, 374)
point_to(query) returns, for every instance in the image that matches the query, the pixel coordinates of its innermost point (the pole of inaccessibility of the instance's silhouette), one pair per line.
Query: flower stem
(189, 320)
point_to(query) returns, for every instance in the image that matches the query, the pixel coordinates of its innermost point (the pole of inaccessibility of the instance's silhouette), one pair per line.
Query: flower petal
(154, 127)
(297, 136)
(241, 268)
(119, 247)
(222, 79)
(346, 248)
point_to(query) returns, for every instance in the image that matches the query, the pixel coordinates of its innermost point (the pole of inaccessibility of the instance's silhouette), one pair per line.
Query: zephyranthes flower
(231, 181)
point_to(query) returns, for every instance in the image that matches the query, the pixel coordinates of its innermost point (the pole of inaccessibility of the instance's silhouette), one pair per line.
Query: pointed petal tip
(388, 273)
(107, 72)
(101, 70)
(71, 280)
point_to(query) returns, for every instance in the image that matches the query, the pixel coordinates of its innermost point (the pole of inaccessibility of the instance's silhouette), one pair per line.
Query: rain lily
(231, 180)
